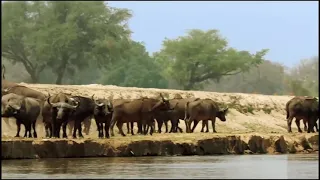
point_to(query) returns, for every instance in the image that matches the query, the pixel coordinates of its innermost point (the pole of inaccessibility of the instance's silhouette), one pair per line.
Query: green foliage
(89, 42)
(136, 68)
(200, 56)
(62, 36)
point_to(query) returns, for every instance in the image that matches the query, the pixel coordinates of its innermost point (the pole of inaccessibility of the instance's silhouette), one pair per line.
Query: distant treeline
(90, 42)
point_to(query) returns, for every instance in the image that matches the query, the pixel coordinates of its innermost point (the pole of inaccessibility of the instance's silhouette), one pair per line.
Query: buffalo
(24, 109)
(24, 91)
(205, 109)
(84, 109)
(102, 115)
(138, 110)
(60, 102)
(305, 108)
(178, 112)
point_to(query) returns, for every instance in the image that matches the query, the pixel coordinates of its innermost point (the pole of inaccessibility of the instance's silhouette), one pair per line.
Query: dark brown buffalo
(24, 109)
(83, 111)
(178, 113)
(138, 110)
(162, 117)
(205, 109)
(305, 108)
(102, 114)
(24, 91)
(49, 116)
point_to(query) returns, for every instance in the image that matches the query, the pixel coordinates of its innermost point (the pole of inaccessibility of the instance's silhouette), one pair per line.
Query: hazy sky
(288, 29)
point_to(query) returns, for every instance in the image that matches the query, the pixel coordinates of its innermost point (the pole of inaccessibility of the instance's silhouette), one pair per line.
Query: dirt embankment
(249, 113)
(160, 145)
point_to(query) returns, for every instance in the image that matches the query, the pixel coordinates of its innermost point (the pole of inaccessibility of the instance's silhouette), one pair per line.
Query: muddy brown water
(293, 166)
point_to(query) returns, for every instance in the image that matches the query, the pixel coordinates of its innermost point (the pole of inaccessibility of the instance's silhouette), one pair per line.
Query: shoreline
(160, 145)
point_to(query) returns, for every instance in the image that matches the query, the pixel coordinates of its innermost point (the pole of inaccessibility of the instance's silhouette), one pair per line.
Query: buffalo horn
(48, 100)
(162, 97)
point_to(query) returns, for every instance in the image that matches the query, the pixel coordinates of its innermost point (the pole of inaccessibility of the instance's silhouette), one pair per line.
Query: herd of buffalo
(28, 106)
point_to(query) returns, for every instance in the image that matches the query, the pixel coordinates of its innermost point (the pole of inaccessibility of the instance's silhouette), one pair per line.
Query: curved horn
(92, 97)
(77, 104)
(15, 107)
(48, 100)
(162, 97)
(6, 89)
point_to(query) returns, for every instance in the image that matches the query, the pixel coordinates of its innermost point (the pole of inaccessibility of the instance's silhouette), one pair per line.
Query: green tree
(135, 69)
(63, 36)
(200, 56)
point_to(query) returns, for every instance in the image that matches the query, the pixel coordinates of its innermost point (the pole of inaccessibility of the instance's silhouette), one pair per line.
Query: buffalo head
(162, 105)
(221, 114)
(63, 109)
(12, 106)
(102, 106)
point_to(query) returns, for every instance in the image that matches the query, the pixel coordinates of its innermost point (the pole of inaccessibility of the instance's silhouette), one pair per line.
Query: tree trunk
(61, 74)
(188, 86)
(34, 78)
(61, 70)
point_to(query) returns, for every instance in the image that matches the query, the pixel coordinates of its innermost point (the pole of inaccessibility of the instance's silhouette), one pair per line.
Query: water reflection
(241, 167)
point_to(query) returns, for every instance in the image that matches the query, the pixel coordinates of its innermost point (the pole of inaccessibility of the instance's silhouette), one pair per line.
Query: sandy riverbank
(160, 145)
(249, 113)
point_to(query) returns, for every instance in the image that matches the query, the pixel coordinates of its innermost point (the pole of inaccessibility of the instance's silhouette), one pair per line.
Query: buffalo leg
(305, 125)
(46, 128)
(101, 129)
(70, 127)
(34, 130)
(195, 123)
(188, 125)
(311, 122)
(132, 133)
(139, 127)
(25, 132)
(289, 122)
(128, 127)
(64, 130)
(113, 122)
(98, 128)
(29, 130)
(298, 125)
(106, 129)
(151, 124)
(18, 128)
(119, 125)
(87, 125)
(203, 124)
(160, 123)
(213, 121)
(79, 129)
(166, 124)
(207, 126)
(58, 130)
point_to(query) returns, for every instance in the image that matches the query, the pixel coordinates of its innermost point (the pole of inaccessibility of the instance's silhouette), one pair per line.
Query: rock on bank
(160, 145)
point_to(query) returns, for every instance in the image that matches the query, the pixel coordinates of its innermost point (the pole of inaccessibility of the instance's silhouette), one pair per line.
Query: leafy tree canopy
(200, 56)
(136, 68)
(62, 35)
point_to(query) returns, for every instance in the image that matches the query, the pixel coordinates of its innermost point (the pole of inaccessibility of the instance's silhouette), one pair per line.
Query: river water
(296, 166)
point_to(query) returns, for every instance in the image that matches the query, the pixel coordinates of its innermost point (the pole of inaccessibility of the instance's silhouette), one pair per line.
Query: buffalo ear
(225, 111)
